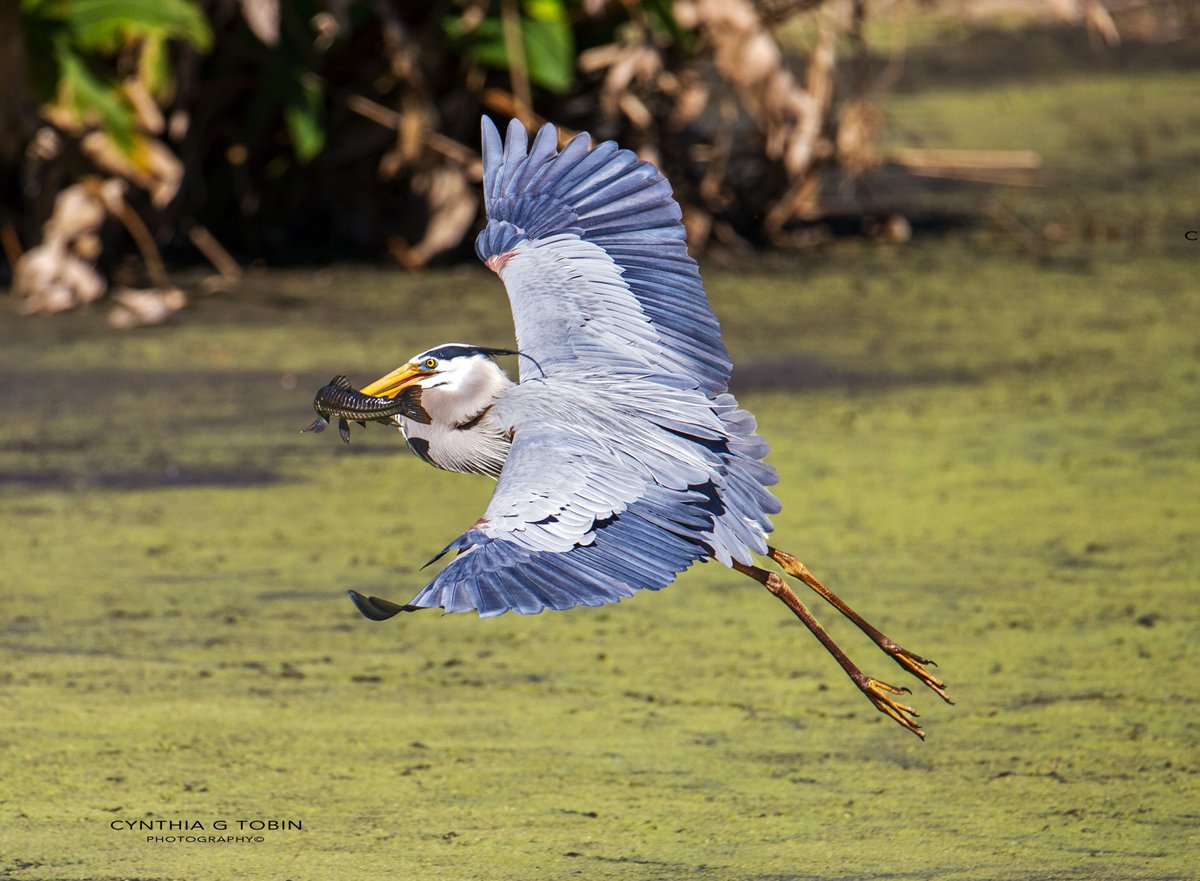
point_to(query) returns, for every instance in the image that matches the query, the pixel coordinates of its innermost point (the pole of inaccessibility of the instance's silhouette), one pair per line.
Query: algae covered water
(993, 455)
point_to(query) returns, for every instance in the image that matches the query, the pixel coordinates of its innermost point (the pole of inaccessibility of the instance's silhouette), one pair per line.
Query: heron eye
(430, 363)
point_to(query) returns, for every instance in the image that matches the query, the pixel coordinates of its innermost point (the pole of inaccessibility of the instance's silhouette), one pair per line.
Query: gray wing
(593, 505)
(590, 246)
(573, 522)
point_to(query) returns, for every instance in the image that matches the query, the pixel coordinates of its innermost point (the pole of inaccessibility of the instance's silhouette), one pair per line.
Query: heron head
(457, 371)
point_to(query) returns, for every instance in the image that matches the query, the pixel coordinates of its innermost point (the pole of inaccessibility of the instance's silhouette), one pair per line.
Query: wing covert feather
(571, 523)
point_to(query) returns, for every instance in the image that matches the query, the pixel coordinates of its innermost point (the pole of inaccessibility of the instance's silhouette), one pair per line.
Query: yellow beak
(395, 382)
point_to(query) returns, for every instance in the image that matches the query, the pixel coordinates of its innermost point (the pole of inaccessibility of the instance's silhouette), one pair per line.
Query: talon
(877, 693)
(912, 663)
(875, 685)
(915, 665)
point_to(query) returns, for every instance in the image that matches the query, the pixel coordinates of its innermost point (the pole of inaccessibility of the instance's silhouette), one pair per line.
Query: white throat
(461, 434)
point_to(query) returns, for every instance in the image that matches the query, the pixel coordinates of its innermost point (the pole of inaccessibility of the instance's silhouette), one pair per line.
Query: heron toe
(915, 665)
(880, 694)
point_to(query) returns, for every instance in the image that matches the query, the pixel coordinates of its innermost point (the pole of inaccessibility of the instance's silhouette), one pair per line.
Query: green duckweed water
(993, 456)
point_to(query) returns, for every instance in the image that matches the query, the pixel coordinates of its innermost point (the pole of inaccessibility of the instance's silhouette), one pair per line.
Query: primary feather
(594, 246)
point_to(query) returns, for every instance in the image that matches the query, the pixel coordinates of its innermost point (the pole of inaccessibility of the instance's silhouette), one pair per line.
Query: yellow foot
(880, 694)
(915, 665)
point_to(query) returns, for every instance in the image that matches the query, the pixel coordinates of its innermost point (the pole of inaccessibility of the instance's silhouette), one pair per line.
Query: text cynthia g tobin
(201, 826)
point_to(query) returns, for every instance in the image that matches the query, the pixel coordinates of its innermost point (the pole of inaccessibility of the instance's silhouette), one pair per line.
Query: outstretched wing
(590, 246)
(595, 503)
(600, 530)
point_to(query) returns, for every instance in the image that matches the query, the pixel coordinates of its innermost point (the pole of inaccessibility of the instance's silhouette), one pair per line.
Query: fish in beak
(339, 399)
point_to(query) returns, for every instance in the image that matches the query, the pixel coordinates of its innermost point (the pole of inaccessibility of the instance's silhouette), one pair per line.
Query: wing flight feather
(638, 300)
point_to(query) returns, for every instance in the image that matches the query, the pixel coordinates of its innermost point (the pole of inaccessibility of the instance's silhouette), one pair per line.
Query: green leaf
(43, 8)
(487, 44)
(545, 35)
(661, 15)
(546, 10)
(108, 24)
(549, 48)
(154, 68)
(90, 98)
(303, 114)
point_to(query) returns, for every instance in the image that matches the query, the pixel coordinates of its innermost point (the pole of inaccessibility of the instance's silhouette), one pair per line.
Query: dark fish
(341, 400)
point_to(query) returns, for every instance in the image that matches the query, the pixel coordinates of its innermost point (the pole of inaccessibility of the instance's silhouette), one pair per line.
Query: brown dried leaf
(151, 165)
(599, 58)
(452, 209)
(790, 116)
(149, 114)
(49, 278)
(689, 103)
(262, 17)
(859, 130)
(77, 210)
(58, 274)
(635, 111)
(135, 308)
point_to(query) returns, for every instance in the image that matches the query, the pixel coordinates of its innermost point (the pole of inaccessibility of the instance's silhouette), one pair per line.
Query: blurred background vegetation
(140, 135)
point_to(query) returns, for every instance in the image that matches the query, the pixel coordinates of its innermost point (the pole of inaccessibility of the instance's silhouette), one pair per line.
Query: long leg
(911, 662)
(877, 692)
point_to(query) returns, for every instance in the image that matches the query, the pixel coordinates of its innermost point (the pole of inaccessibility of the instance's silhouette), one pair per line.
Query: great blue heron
(620, 458)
